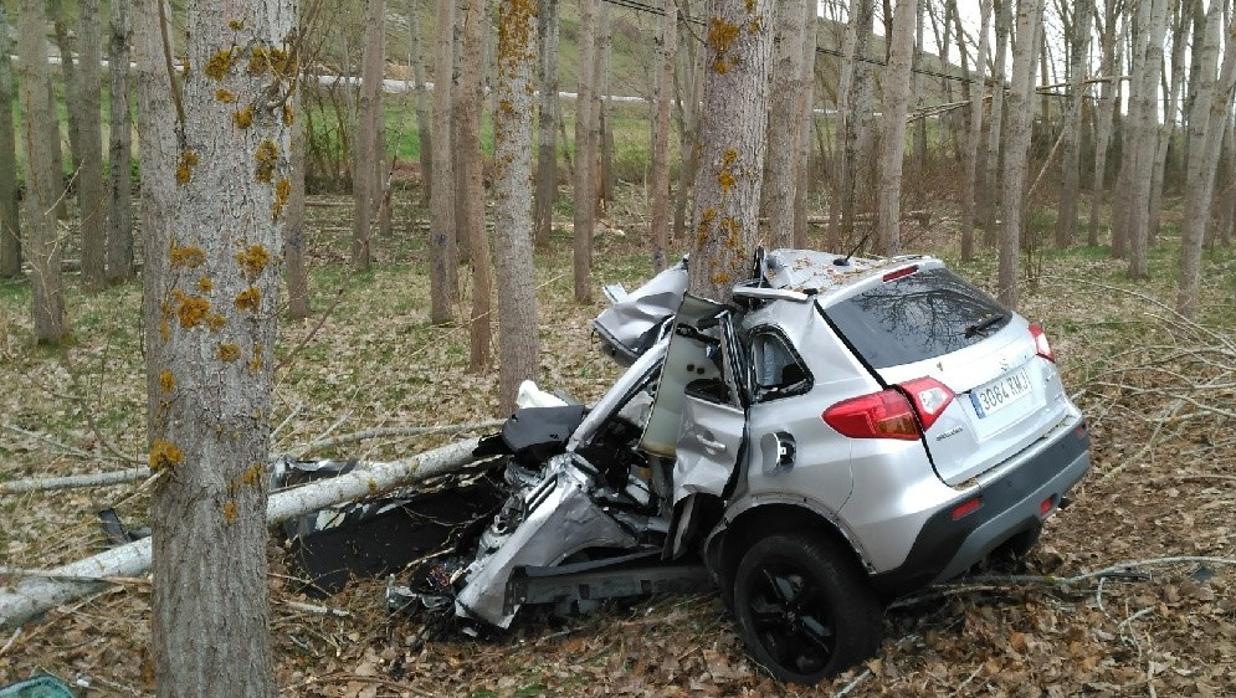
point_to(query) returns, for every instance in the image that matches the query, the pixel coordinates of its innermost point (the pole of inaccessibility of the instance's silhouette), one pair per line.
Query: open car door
(698, 417)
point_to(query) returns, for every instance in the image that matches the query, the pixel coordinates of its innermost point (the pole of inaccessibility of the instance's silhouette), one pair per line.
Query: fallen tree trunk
(69, 482)
(36, 595)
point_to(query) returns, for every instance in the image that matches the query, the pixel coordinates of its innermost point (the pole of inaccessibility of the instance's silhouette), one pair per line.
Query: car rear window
(920, 316)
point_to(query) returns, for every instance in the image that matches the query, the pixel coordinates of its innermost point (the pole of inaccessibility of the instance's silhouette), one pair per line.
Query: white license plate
(1001, 393)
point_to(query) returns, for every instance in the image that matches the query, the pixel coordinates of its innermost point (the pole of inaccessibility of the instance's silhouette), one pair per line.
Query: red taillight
(1041, 346)
(883, 415)
(930, 398)
(898, 273)
(966, 508)
(888, 414)
(1046, 506)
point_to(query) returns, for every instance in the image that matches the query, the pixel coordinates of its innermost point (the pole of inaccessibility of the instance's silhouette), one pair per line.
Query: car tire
(804, 608)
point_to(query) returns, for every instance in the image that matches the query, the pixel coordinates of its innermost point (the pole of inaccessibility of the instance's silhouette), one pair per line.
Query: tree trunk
(667, 49)
(43, 247)
(295, 273)
(806, 107)
(156, 133)
(732, 130)
(1168, 127)
(517, 313)
(692, 71)
(442, 196)
(209, 607)
(424, 133)
(1207, 123)
(976, 128)
(784, 118)
(120, 202)
(72, 83)
(471, 203)
(855, 95)
(10, 224)
(366, 189)
(90, 189)
(604, 132)
(1070, 158)
(548, 114)
(1146, 141)
(1113, 48)
(585, 154)
(920, 126)
(894, 103)
(1020, 113)
(991, 194)
(1139, 18)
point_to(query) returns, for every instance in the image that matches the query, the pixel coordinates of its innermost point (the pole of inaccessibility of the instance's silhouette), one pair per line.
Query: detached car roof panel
(820, 272)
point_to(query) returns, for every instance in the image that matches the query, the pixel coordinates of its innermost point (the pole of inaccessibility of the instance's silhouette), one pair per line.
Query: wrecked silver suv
(845, 430)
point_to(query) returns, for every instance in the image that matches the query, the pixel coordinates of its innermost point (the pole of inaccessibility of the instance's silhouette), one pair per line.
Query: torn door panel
(631, 325)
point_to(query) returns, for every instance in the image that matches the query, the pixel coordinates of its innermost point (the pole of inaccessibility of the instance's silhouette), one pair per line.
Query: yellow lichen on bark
(219, 64)
(259, 61)
(164, 454)
(187, 256)
(167, 381)
(191, 311)
(215, 322)
(184, 166)
(267, 157)
(253, 260)
(229, 511)
(225, 96)
(205, 285)
(243, 118)
(255, 363)
(228, 352)
(289, 115)
(249, 299)
(283, 192)
(236, 24)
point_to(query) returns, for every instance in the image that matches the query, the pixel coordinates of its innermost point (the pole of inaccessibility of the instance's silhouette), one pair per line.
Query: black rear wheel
(804, 609)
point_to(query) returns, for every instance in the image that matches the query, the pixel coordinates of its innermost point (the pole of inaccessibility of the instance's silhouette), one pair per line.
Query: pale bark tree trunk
(585, 154)
(156, 133)
(295, 273)
(806, 106)
(976, 128)
(120, 202)
(691, 70)
(68, 69)
(43, 247)
(1197, 15)
(895, 101)
(603, 133)
(1122, 213)
(517, 312)
(10, 224)
(1113, 48)
(548, 115)
(855, 95)
(90, 188)
(471, 204)
(424, 130)
(667, 48)
(442, 195)
(732, 131)
(366, 187)
(1146, 142)
(210, 608)
(920, 126)
(1070, 158)
(1168, 128)
(784, 117)
(1020, 112)
(1207, 122)
(995, 131)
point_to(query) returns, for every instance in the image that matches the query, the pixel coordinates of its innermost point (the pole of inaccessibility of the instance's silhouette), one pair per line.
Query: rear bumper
(944, 548)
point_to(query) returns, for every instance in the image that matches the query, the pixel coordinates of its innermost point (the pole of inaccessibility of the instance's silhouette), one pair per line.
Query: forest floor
(1158, 393)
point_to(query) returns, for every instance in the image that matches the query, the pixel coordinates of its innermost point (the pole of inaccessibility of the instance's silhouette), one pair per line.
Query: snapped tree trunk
(733, 126)
(424, 131)
(585, 154)
(158, 107)
(1211, 103)
(1070, 158)
(517, 312)
(295, 272)
(784, 117)
(90, 183)
(471, 203)
(1146, 140)
(991, 194)
(209, 607)
(855, 95)
(667, 48)
(43, 247)
(970, 183)
(120, 201)
(442, 195)
(806, 107)
(1020, 111)
(895, 102)
(10, 224)
(1113, 58)
(548, 113)
(366, 163)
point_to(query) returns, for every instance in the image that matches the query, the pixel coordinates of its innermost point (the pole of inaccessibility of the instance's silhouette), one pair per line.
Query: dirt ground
(1160, 395)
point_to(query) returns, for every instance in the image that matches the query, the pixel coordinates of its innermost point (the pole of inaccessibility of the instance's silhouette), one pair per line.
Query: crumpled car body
(885, 419)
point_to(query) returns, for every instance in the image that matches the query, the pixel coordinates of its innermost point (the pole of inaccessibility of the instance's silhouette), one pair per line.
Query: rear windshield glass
(921, 316)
